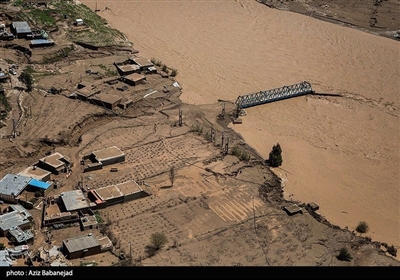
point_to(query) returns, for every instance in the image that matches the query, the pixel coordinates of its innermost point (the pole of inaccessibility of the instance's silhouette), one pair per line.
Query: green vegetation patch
(4, 101)
(95, 30)
(42, 17)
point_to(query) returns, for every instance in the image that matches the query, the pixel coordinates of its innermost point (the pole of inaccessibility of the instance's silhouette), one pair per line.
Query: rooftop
(21, 235)
(21, 26)
(42, 41)
(5, 259)
(39, 184)
(135, 77)
(20, 216)
(129, 187)
(141, 61)
(109, 192)
(79, 243)
(87, 92)
(107, 153)
(89, 220)
(107, 98)
(13, 184)
(54, 160)
(128, 67)
(34, 172)
(74, 200)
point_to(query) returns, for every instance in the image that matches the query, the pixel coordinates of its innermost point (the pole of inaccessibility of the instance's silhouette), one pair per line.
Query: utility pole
(180, 117)
(226, 146)
(130, 252)
(14, 133)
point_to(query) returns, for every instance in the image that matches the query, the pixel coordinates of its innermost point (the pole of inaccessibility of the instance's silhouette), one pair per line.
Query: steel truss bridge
(262, 97)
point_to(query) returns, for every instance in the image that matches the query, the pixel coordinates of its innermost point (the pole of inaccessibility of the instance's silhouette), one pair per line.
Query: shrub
(158, 240)
(165, 69)
(344, 255)
(362, 227)
(38, 194)
(391, 250)
(174, 72)
(240, 154)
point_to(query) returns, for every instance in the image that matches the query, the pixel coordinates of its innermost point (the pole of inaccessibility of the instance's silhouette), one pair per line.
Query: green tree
(27, 79)
(275, 156)
(2, 246)
(344, 255)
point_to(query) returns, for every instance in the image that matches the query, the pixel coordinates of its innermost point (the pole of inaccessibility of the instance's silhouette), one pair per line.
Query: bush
(165, 69)
(2, 246)
(174, 72)
(38, 194)
(158, 240)
(344, 255)
(27, 79)
(240, 154)
(391, 250)
(275, 156)
(362, 227)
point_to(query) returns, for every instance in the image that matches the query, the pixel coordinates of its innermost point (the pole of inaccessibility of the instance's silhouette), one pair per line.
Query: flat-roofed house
(118, 193)
(100, 158)
(12, 185)
(20, 29)
(5, 260)
(41, 186)
(17, 216)
(36, 173)
(19, 235)
(107, 100)
(74, 200)
(55, 163)
(134, 79)
(108, 155)
(126, 69)
(142, 62)
(81, 246)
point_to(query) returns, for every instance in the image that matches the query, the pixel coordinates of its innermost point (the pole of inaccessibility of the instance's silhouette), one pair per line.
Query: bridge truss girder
(262, 97)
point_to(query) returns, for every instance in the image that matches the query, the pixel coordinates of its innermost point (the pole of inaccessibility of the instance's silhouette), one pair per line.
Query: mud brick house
(109, 101)
(134, 79)
(55, 163)
(100, 158)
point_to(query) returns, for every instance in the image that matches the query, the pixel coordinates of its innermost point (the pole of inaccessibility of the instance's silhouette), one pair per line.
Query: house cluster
(22, 190)
(8, 255)
(22, 30)
(69, 207)
(132, 72)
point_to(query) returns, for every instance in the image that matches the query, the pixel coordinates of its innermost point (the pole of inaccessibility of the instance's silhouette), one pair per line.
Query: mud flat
(341, 152)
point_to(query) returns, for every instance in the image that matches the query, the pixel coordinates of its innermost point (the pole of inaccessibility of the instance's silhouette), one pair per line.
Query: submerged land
(217, 204)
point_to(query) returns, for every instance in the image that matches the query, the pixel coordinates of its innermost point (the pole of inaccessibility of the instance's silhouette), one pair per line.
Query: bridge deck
(262, 97)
